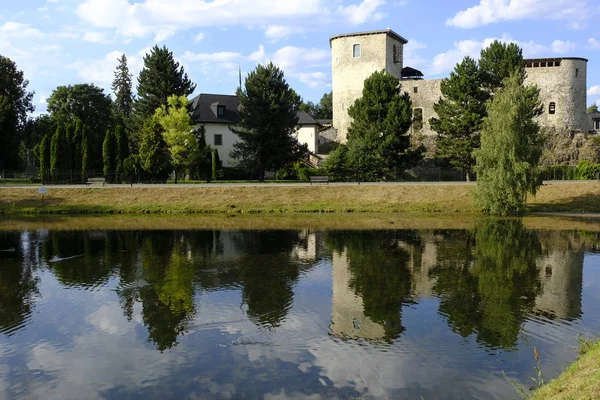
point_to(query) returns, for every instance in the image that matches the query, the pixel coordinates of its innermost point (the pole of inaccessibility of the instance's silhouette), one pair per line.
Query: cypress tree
(122, 150)
(44, 154)
(77, 145)
(69, 153)
(511, 146)
(216, 164)
(57, 152)
(154, 155)
(109, 156)
(86, 151)
(460, 114)
(160, 78)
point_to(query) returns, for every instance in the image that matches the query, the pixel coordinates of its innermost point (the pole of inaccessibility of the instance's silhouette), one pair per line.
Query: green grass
(581, 380)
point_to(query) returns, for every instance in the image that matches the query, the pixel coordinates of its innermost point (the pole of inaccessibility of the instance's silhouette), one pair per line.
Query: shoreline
(452, 198)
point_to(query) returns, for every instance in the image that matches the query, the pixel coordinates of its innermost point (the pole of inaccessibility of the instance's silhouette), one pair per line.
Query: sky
(65, 42)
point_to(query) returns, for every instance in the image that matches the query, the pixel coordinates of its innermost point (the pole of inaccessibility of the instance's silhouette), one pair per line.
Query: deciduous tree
(511, 146)
(15, 103)
(268, 118)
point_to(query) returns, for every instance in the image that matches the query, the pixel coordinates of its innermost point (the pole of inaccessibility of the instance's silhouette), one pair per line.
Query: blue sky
(61, 42)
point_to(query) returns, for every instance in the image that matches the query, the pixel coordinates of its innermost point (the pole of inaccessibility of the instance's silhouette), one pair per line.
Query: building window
(597, 124)
(552, 108)
(416, 89)
(577, 73)
(356, 51)
(418, 119)
(220, 110)
(218, 140)
(397, 54)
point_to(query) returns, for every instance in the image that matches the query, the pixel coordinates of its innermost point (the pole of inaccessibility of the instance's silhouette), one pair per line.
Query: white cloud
(594, 91)
(594, 43)
(199, 37)
(492, 11)
(19, 30)
(559, 46)
(153, 17)
(101, 72)
(280, 32)
(96, 37)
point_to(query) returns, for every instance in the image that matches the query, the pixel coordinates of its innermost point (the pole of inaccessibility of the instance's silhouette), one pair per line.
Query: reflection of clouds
(109, 318)
(3, 382)
(283, 396)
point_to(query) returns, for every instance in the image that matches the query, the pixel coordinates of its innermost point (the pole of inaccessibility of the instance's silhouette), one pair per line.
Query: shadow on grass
(587, 203)
(48, 204)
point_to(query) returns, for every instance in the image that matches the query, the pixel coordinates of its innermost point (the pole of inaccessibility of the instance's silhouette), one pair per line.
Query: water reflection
(484, 285)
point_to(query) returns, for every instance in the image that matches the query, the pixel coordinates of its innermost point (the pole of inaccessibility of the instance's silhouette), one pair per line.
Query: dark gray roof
(306, 119)
(205, 110)
(388, 32)
(325, 121)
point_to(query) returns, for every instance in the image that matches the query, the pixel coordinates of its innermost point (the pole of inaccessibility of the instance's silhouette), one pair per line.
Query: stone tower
(563, 86)
(355, 56)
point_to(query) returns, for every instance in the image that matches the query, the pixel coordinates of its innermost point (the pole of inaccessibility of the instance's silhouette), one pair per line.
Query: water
(292, 314)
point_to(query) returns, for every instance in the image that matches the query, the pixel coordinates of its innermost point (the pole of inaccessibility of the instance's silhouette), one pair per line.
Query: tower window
(552, 108)
(418, 119)
(416, 89)
(577, 73)
(356, 51)
(397, 54)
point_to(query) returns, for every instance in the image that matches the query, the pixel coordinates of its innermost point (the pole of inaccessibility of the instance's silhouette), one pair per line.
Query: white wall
(306, 134)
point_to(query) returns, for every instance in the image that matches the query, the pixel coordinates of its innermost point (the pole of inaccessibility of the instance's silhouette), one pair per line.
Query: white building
(218, 112)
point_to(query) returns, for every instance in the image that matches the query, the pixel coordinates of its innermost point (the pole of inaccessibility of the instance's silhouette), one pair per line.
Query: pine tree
(122, 89)
(268, 118)
(216, 164)
(122, 151)
(160, 78)
(57, 153)
(44, 156)
(109, 156)
(381, 119)
(499, 61)
(460, 114)
(511, 146)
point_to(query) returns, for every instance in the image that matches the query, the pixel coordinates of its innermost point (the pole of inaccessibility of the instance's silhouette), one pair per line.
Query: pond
(404, 313)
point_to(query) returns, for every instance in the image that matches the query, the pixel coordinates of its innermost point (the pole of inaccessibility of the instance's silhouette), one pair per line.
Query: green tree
(216, 164)
(178, 133)
(460, 114)
(15, 103)
(499, 61)
(122, 89)
(160, 78)
(44, 157)
(109, 156)
(86, 102)
(381, 119)
(122, 151)
(336, 165)
(593, 109)
(154, 156)
(86, 151)
(511, 146)
(57, 153)
(325, 108)
(268, 118)
(203, 163)
(310, 108)
(77, 145)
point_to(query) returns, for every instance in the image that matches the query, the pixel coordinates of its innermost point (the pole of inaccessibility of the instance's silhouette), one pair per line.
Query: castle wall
(565, 86)
(349, 73)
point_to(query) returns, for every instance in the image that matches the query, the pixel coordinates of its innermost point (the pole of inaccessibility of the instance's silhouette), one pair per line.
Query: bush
(286, 173)
(587, 171)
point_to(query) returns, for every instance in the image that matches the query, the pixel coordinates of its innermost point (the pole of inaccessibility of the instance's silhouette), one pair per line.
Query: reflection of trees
(18, 284)
(380, 273)
(488, 288)
(268, 272)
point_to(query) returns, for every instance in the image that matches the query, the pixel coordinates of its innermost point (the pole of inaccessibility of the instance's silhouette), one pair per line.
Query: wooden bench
(319, 179)
(91, 181)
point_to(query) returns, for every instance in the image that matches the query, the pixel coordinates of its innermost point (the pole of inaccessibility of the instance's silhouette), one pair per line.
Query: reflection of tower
(348, 318)
(423, 257)
(307, 247)
(561, 276)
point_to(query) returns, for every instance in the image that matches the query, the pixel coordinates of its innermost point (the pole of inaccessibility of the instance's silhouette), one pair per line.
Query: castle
(355, 56)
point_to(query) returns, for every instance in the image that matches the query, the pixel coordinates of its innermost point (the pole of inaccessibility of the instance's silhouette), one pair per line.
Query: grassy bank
(581, 380)
(572, 197)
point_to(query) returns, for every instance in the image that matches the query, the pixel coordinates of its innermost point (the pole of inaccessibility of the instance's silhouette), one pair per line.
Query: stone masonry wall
(349, 73)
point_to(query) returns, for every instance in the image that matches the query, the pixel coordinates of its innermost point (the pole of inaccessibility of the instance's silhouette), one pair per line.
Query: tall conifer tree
(122, 89)
(109, 156)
